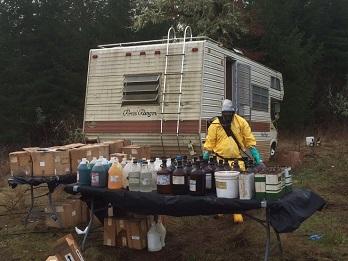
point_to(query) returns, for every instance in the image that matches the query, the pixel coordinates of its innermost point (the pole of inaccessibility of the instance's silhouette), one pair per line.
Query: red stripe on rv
(189, 126)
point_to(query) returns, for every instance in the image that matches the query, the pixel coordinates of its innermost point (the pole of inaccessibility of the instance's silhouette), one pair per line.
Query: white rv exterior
(125, 84)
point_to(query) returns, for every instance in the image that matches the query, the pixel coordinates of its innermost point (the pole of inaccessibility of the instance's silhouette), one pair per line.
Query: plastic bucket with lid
(227, 184)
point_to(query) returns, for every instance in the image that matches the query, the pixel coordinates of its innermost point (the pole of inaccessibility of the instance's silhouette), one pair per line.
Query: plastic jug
(123, 162)
(115, 176)
(162, 231)
(153, 239)
(92, 163)
(105, 163)
(125, 172)
(84, 173)
(99, 175)
(145, 178)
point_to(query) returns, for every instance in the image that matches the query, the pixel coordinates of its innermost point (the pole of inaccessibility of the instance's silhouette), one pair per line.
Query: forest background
(44, 47)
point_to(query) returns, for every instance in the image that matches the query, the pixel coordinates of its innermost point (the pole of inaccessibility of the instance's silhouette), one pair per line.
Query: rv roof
(160, 41)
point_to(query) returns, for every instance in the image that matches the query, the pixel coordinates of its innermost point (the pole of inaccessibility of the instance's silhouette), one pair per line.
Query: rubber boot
(238, 218)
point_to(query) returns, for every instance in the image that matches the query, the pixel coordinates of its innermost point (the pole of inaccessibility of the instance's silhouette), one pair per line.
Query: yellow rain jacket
(218, 142)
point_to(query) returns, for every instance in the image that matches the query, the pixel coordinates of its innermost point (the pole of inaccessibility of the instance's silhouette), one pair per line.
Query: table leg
(279, 244)
(53, 209)
(31, 205)
(268, 239)
(91, 216)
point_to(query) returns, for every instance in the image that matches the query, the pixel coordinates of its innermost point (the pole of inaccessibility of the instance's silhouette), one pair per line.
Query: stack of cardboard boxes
(62, 160)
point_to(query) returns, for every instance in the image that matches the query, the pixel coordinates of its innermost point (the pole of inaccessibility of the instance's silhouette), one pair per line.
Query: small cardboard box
(137, 233)
(115, 146)
(137, 151)
(66, 248)
(50, 162)
(88, 152)
(21, 163)
(110, 231)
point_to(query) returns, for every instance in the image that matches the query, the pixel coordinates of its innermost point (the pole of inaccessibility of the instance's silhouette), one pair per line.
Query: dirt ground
(204, 237)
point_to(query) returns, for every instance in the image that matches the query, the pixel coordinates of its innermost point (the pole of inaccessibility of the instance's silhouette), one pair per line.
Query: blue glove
(206, 155)
(256, 155)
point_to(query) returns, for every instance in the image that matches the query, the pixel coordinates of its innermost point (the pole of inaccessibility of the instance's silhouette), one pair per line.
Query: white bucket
(246, 186)
(227, 184)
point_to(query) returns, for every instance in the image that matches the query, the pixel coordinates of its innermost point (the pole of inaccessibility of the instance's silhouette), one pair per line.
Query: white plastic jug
(125, 172)
(227, 184)
(162, 231)
(153, 239)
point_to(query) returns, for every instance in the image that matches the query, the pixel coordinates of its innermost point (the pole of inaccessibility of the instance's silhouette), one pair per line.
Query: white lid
(227, 173)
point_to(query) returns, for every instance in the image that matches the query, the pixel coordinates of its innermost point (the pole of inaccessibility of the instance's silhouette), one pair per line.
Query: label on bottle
(221, 185)
(135, 237)
(193, 186)
(179, 180)
(208, 180)
(114, 179)
(163, 180)
(95, 179)
(133, 180)
(145, 181)
(77, 176)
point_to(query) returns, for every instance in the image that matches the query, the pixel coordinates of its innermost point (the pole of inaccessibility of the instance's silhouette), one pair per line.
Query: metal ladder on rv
(165, 93)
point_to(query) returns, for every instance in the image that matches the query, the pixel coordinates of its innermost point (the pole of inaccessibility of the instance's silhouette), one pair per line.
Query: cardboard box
(137, 151)
(137, 233)
(21, 163)
(67, 249)
(88, 152)
(115, 146)
(69, 214)
(119, 156)
(50, 162)
(110, 231)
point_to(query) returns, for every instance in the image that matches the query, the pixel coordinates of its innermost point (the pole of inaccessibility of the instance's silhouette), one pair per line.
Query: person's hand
(206, 155)
(256, 155)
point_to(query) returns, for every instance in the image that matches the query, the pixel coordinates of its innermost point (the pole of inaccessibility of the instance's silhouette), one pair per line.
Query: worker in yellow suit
(227, 136)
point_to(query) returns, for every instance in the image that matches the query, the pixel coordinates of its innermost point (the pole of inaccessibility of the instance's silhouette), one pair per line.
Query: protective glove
(256, 155)
(206, 155)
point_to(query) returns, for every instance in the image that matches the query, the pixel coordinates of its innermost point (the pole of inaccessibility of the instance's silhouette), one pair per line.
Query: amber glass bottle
(163, 179)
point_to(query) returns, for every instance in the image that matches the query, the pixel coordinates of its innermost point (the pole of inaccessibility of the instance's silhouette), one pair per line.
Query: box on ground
(137, 233)
(137, 151)
(69, 214)
(66, 248)
(115, 232)
(88, 152)
(50, 162)
(21, 163)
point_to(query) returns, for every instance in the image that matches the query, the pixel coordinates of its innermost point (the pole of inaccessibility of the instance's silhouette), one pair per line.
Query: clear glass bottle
(153, 173)
(145, 178)
(134, 176)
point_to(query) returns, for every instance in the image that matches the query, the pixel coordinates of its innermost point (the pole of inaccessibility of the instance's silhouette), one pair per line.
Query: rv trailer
(163, 93)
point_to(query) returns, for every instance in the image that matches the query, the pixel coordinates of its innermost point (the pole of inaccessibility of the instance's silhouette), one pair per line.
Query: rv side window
(260, 98)
(140, 89)
(275, 83)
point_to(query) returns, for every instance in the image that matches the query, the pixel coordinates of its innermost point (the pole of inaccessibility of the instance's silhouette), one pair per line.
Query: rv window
(260, 98)
(275, 83)
(140, 89)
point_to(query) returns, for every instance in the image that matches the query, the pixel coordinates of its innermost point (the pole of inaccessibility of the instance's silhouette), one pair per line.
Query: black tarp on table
(51, 181)
(286, 214)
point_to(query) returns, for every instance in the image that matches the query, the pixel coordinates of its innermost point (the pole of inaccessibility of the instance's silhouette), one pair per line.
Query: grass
(206, 238)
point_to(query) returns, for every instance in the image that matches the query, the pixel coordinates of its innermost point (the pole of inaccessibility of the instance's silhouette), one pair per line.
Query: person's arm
(210, 139)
